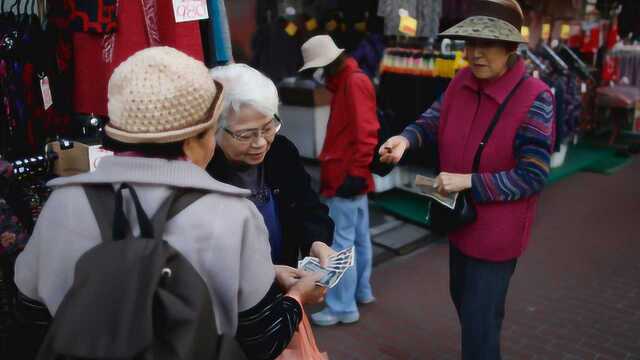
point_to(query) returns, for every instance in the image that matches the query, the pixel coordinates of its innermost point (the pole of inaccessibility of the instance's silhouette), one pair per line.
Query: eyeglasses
(268, 132)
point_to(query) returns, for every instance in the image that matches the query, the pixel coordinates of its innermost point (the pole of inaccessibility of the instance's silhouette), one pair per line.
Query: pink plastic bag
(303, 344)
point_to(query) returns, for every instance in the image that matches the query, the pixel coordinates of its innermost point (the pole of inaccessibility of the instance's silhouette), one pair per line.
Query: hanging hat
(319, 51)
(490, 20)
(161, 95)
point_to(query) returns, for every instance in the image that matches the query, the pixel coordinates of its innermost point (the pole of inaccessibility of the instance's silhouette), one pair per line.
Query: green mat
(610, 165)
(403, 204)
(582, 157)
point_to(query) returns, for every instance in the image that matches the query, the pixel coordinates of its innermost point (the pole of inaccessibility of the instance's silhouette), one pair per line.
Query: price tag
(583, 88)
(291, 29)
(47, 99)
(311, 25)
(546, 31)
(190, 10)
(408, 25)
(331, 25)
(536, 74)
(565, 32)
(526, 32)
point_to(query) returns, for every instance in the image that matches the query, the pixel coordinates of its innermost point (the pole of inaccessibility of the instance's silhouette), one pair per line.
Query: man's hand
(392, 150)
(451, 183)
(322, 251)
(7, 239)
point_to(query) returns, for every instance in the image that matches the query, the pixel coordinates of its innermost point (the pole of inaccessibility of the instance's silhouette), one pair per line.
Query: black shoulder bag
(444, 220)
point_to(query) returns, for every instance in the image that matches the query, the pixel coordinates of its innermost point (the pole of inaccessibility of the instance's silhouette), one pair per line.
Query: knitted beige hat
(161, 95)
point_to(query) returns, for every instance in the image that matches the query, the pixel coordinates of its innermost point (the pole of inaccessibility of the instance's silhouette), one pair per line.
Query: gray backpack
(136, 297)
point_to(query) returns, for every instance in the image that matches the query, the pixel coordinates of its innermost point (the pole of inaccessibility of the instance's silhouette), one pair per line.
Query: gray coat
(222, 234)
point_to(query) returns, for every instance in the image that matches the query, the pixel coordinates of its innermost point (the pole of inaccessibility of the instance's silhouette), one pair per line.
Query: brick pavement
(575, 294)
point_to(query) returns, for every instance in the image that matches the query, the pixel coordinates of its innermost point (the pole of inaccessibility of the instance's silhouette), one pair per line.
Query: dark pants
(479, 291)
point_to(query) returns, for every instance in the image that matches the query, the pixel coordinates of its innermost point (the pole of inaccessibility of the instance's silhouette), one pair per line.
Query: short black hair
(169, 151)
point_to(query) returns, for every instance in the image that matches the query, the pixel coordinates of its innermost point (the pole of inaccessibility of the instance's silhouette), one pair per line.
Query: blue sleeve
(425, 130)
(533, 147)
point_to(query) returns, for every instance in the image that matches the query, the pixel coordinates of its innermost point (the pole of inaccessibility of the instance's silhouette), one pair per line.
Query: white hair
(245, 86)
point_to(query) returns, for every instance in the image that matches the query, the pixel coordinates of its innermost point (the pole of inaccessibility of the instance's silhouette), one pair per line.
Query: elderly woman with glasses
(252, 156)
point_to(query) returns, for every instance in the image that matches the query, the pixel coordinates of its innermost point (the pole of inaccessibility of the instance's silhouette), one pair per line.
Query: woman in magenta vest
(513, 168)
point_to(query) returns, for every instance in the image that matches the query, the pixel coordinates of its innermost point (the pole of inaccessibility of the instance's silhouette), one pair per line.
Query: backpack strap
(172, 206)
(103, 204)
(120, 221)
(102, 201)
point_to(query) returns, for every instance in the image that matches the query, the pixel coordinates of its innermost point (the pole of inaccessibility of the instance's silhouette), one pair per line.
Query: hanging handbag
(444, 220)
(303, 344)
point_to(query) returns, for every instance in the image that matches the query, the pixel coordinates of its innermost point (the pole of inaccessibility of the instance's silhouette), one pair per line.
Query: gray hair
(245, 86)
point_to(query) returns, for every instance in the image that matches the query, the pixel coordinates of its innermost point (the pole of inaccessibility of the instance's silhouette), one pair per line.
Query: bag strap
(172, 206)
(102, 201)
(120, 222)
(492, 126)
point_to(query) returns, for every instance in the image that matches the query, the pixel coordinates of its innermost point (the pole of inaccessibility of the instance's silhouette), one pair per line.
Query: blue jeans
(479, 292)
(351, 218)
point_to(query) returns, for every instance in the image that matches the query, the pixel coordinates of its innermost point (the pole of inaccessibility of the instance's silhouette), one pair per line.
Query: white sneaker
(367, 301)
(327, 317)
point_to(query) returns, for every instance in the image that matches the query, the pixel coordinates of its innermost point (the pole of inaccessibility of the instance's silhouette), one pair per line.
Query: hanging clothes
(100, 55)
(269, 44)
(97, 16)
(27, 63)
(217, 39)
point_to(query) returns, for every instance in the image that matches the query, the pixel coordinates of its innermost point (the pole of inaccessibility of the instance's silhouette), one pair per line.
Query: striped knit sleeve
(533, 146)
(425, 130)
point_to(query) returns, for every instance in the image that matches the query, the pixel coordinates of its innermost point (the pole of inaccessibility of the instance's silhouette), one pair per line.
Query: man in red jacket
(349, 146)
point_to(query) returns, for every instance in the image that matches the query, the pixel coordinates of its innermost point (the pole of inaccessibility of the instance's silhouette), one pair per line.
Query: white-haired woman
(251, 155)
(162, 146)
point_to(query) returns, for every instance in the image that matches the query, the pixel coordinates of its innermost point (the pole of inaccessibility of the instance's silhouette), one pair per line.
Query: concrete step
(403, 239)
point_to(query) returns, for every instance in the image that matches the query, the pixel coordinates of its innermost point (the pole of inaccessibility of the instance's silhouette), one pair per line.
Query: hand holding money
(286, 276)
(447, 183)
(332, 273)
(322, 252)
(306, 290)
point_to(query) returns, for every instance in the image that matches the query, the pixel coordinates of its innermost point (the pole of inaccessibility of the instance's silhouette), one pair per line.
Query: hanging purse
(444, 220)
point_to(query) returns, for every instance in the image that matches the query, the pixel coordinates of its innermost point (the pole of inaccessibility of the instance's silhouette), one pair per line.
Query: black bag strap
(120, 222)
(492, 126)
(172, 206)
(102, 200)
(185, 200)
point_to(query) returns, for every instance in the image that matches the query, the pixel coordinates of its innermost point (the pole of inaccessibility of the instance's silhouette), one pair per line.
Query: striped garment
(532, 146)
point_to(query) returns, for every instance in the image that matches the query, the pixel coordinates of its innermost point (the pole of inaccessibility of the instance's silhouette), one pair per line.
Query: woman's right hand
(392, 150)
(306, 290)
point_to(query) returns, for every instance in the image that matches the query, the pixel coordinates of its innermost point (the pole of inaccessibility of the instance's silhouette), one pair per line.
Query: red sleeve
(362, 106)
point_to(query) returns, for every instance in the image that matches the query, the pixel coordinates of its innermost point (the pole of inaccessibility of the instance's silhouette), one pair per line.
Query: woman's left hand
(322, 251)
(451, 183)
(286, 276)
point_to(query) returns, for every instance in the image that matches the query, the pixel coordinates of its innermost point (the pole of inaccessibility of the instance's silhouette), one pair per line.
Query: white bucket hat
(319, 51)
